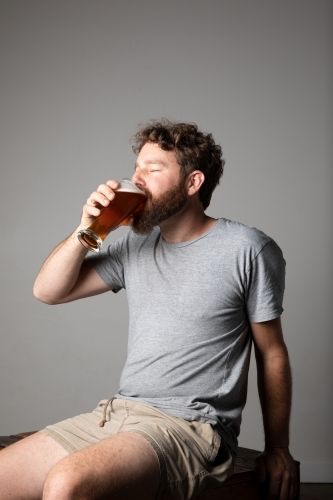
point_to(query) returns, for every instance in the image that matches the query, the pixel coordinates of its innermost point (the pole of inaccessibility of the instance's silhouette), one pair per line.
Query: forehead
(151, 153)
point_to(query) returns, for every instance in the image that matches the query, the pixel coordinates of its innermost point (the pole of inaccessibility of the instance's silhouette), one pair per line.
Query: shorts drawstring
(109, 401)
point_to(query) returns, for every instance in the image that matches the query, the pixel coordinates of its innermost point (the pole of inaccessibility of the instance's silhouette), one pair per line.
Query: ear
(194, 181)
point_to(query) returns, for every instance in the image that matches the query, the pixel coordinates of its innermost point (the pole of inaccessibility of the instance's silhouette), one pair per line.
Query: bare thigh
(121, 467)
(25, 465)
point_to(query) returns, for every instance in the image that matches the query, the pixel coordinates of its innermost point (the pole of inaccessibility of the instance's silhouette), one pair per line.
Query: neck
(187, 225)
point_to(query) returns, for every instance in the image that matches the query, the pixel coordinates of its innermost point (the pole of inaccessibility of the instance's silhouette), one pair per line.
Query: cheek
(155, 188)
(161, 185)
(158, 185)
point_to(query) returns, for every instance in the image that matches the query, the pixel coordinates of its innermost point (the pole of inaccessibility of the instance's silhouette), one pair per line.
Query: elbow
(42, 296)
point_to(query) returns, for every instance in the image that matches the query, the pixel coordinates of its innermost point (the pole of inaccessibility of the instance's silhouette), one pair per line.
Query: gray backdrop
(77, 77)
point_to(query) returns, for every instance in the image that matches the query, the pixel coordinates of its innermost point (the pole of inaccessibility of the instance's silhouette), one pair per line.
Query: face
(158, 174)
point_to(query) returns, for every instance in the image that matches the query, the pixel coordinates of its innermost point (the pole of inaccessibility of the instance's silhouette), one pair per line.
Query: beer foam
(129, 190)
(126, 186)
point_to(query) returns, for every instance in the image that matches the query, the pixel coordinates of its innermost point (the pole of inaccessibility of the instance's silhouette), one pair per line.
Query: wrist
(74, 243)
(276, 448)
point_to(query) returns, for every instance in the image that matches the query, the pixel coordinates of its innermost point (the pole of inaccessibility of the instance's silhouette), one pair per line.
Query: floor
(312, 491)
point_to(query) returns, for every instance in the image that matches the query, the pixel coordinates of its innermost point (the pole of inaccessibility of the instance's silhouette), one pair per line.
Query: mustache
(146, 191)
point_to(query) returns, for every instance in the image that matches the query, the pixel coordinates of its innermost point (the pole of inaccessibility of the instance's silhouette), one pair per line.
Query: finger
(286, 485)
(260, 469)
(293, 487)
(91, 211)
(274, 488)
(113, 184)
(98, 199)
(106, 191)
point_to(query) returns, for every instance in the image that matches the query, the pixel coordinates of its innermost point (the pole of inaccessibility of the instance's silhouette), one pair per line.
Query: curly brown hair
(194, 150)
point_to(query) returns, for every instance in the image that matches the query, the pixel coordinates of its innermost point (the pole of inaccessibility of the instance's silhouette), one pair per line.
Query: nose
(138, 178)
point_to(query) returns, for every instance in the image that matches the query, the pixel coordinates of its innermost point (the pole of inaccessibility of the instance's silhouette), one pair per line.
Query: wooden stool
(242, 485)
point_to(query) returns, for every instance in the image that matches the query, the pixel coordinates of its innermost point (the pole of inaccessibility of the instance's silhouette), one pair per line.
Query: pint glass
(129, 198)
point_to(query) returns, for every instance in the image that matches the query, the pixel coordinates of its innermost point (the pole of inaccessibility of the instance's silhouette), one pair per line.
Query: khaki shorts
(191, 455)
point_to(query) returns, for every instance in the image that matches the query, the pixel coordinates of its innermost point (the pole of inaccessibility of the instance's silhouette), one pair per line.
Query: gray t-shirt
(190, 305)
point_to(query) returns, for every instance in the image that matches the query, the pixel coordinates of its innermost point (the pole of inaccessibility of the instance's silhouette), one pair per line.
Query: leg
(25, 465)
(124, 466)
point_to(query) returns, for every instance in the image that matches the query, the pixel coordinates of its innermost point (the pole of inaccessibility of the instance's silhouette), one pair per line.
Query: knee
(62, 483)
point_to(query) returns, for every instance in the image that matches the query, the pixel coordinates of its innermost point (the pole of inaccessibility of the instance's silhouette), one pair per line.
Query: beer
(129, 199)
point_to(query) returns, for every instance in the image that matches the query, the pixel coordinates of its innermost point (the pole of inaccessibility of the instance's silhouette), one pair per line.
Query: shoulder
(241, 235)
(246, 243)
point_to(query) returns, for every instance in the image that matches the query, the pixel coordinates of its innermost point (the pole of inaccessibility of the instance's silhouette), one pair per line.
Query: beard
(160, 209)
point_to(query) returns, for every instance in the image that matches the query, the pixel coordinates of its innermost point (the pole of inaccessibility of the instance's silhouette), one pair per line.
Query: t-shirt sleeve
(265, 284)
(109, 264)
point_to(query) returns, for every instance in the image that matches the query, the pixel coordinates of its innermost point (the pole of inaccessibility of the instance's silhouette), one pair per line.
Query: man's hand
(276, 467)
(98, 200)
(66, 275)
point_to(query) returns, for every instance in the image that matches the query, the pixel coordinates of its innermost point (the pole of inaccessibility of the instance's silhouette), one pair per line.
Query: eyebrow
(151, 162)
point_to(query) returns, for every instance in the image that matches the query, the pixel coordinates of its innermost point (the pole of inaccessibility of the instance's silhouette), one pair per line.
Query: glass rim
(127, 180)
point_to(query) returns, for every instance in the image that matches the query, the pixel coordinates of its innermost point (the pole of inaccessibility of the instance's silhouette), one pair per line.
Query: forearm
(60, 271)
(274, 384)
(66, 275)
(275, 388)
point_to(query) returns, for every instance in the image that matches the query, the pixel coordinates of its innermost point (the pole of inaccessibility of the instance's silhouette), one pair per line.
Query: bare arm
(66, 275)
(274, 386)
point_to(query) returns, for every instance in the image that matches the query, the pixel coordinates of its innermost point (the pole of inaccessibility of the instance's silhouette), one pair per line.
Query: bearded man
(200, 291)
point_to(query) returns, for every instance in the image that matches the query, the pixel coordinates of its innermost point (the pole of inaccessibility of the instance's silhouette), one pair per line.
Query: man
(199, 291)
